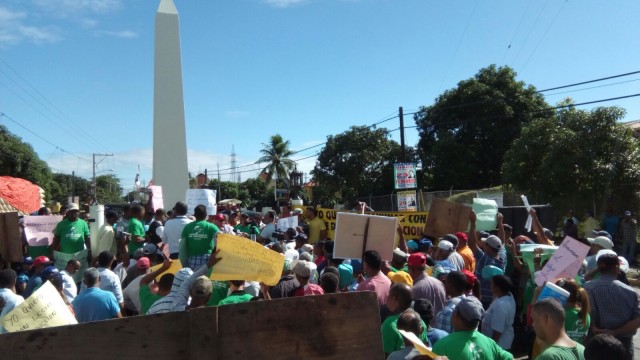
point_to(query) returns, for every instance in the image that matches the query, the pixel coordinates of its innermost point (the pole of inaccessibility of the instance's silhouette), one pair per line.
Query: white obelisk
(169, 136)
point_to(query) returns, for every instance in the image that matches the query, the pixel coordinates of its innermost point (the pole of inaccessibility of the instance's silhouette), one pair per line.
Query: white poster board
(407, 200)
(39, 229)
(205, 197)
(350, 230)
(565, 262)
(157, 202)
(495, 195)
(288, 222)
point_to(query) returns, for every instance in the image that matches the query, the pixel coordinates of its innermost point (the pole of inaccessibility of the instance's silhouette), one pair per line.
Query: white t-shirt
(11, 300)
(109, 281)
(267, 231)
(132, 295)
(499, 317)
(69, 287)
(173, 232)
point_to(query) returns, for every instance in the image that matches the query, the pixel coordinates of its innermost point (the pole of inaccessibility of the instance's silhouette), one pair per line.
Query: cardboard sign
(205, 197)
(157, 202)
(407, 201)
(39, 229)
(350, 235)
(417, 343)
(405, 175)
(10, 242)
(176, 266)
(243, 259)
(565, 262)
(288, 222)
(61, 260)
(43, 309)
(486, 214)
(446, 217)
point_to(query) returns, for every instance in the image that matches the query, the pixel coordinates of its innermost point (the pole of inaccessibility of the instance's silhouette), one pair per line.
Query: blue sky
(79, 73)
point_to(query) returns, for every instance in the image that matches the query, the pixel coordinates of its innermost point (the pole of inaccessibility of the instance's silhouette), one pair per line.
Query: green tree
(576, 159)
(62, 185)
(358, 162)
(108, 189)
(18, 159)
(277, 156)
(464, 135)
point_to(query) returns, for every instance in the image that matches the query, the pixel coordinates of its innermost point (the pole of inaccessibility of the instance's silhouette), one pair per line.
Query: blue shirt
(436, 334)
(483, 260)
(34, 283)
(94, 304)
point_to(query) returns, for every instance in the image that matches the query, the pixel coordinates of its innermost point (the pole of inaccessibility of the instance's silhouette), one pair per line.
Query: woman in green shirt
(577, 320)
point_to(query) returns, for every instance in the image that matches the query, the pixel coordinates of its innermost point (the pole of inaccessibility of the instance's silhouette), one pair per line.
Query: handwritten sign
(446, 217)
(61, 260)
(565, 262)
(243, 259)
(350, 231)
(407, 200)
(39, 229)
(157, 201)
(486, 211)
(43, 309)
(405, 175)
(288, 222)
(176, 266)
(527, 251)
(205, 197)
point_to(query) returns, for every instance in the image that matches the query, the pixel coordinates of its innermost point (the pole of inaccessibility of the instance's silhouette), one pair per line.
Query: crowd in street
(467, 295)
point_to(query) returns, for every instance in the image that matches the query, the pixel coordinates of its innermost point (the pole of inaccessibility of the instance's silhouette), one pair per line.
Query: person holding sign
(71, 235)
(198, 240)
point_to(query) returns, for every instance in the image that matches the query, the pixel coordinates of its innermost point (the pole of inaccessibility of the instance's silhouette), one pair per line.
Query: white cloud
(14, 29)
(284, 3)
(39, 35)
(125, 34)
(88, 23)
(63, 8)
(236, 114)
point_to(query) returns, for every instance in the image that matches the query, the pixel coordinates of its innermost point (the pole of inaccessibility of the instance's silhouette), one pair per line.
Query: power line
(593, 87)
(516, 32)
(530, 31)
(544, 35)
(590, 81)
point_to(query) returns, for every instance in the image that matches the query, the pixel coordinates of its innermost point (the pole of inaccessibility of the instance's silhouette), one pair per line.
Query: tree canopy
(277, 155)
(18, 159)
(465, 133)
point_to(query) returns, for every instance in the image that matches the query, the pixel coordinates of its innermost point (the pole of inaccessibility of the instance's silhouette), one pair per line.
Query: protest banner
(61, 260)
(39, 229)
(357, 233)
(43, 309)
(10, 242)
(407, 200)
(205, 197)
(412, 222)
(528, 253)
(288, 222)
(176, 265)
(404, 175)
(446, 217)
(157, 201)
(565, 262)
(486, 214)
(243, 259)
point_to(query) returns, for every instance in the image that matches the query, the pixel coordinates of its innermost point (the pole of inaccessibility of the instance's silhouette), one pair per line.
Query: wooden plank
(204, 340)
(163, 336)
(10, 242)
(336, 326)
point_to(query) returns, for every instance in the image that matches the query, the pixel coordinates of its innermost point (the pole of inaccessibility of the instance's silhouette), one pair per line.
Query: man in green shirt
(465, 342)
(245, 228)
(71, 235)
(237, 295)
(198, 240)
(147, 298)
(136, 229)
(399, 300)
(548, 322)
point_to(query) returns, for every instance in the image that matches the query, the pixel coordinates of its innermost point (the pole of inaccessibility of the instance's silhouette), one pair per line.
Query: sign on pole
(407, 200)
(405, 176)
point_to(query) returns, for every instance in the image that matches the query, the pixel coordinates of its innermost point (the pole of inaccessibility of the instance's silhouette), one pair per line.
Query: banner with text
(157, 200)
(412, 222)
(407, 200)
(243, 259)
(565, 262)
(405, 176)
(205, 197)
(39, 229)
(43, 309)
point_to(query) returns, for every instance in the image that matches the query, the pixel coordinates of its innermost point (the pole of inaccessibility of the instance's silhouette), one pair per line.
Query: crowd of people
(466, 295)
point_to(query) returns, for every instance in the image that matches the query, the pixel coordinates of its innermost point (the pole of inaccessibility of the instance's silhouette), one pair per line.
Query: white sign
(497, 196)
(405, 175)
(157, 202)
(565, 262)
(39, 229)
(205, 197)
(350, 231)
(288, 222)
(407, 200)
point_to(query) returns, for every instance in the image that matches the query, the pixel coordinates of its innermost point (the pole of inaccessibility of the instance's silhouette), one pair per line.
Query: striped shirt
(612, 303)
(178, 298)
(482, 260)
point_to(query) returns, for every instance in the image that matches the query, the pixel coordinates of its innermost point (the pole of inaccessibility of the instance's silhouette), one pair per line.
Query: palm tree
(276, 154)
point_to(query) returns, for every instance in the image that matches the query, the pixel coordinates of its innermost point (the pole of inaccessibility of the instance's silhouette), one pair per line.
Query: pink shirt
(379, 284)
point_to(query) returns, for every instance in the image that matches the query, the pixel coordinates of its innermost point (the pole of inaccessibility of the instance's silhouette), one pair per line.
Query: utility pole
(73, 185)
(402, 147)
(219, 191)
(94, 184)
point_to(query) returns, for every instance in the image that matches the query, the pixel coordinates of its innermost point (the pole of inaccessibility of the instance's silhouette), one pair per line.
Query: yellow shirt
(315, 227)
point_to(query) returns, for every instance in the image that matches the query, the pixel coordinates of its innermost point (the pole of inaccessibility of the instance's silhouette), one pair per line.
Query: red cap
(461, 236)
(41, 260)
(521, 239)
(471, 277)
(143, 263)
(417, 259)
(219, 217)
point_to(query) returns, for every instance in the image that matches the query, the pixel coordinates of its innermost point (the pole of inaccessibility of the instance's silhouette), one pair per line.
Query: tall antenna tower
(234, 165)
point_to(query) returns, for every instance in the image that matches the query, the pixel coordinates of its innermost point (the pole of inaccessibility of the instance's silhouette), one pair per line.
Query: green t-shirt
(574, 327)
(147, 298)
(199, 237)
(236, 297)
(470, 345)
(248, 229)
(562, 353)
(391, 338)
(71, 235)
(405, 269)
(135, 229)
(219, 292)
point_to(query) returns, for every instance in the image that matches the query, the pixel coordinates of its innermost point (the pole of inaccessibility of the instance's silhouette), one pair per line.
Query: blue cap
(426, 243)
(412, 245)
(22, 278)
(48, 271)
(484, 234)
(27, 260)
(602, 233)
